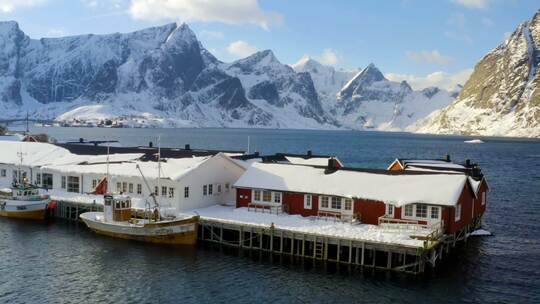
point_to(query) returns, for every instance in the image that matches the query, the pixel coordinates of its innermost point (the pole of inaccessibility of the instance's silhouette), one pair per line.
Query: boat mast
(159, 168)
(107, 190)
(19, 175)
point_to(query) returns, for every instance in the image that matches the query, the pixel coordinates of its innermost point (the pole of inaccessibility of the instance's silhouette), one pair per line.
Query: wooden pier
(340, 250)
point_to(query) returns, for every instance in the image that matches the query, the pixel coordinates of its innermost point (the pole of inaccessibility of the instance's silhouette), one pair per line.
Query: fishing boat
(117, 219)
(23, 201)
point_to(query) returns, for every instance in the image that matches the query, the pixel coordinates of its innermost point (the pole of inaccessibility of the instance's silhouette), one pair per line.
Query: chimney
(187, 147)
(447, 158)
(333, 163)
(309, 153)
(256, 153)
(150, 144)
(468, 163)
(81, 140)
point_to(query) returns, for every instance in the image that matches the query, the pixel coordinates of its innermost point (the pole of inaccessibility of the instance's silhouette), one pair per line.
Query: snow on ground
(313, 225)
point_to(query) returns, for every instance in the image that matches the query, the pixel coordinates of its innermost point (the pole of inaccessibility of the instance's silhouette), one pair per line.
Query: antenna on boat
(20, 154)
(108, 147)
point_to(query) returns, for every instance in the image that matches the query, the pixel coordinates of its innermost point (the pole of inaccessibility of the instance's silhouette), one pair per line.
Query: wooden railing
(268, 208)
(436, 229)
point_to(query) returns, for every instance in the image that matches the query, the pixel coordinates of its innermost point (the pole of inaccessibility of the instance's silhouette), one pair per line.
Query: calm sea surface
(58, 262)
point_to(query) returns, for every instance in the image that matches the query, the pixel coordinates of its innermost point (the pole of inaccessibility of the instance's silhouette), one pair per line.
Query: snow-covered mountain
(163, 76)
(365, 99)
(502, 96)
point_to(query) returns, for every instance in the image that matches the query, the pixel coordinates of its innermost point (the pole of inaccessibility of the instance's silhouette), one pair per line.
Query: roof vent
(150, 144)
(187, 147)
(447, 158)
(81, 140)
(309, 153)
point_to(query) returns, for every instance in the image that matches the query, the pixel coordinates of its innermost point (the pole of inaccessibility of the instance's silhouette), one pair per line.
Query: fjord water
(58, 262)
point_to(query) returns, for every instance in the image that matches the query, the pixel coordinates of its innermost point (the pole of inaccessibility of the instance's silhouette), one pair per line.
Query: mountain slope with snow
(502, 96)
(367, 100)
(163, 77)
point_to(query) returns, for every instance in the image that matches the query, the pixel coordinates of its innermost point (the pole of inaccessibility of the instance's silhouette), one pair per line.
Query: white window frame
(347, 202)
(130, 187)
(457, 215)
(63, 182)
(210, 189)
(164, 191)
(428, 217)
(94, 183)
(3, 172)
(321, 205)
(205, 190)
(276, 197)
(257, 196)
(431, 208)
(308, 201)
(404, 211)
(171, 192)
(390, 210)
(139, 188)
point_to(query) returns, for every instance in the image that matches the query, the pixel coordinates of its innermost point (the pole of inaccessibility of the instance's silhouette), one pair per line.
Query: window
(409, 210)
(257, 195)
(336, 202)
(434, 214)
(124, 187)
(118, 187)
(139, 189)
(227, 187)
(348, 204)
(219, 188)
(163, 191)
(324, 201)
(210, 189)
(186, 192)
(3, 172)
(458, 212)
(267, 196)
(483, 198)
(171, 192)
(47, 180)
(63, 184)
(390, 210)
(15, 176)
(38, 179)
(204, 189)
(130, 188)
(73, 184)
(156, 191)
(308, 201)
(94, 183)
(421, 211)
(277, 197)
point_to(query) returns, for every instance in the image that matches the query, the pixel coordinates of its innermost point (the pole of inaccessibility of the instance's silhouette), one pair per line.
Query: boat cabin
(117, 208)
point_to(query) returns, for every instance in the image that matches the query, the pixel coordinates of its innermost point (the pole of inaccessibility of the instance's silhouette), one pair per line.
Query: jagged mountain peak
(306, 64)
(371, 74)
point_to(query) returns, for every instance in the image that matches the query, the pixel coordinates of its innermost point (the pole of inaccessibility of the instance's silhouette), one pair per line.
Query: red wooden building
(446, 194)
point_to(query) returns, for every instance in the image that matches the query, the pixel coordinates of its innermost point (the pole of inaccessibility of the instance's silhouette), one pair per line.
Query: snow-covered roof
(34, 154)
(173, 169)
(311, 161)
(401, 189)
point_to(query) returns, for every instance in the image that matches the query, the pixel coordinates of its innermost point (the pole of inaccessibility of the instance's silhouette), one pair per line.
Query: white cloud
(329, 57)
(432, 57)
(106, 4)
(212, 34)
(436, 79)
(225, 11)
(477, 4)
(8, 6)
(241, 49)
(487, 22)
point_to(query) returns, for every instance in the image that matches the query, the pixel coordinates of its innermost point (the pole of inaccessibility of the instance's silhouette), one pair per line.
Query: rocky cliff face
(367, 100)
(502, 96)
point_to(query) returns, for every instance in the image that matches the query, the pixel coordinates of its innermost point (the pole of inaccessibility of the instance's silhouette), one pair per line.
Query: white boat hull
(24, 209)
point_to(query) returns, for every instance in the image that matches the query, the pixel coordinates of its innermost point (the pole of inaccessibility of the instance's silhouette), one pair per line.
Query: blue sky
(425, 42)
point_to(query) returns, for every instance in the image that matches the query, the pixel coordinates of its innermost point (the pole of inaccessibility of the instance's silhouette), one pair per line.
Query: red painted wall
(369, 211)
(295, 203)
